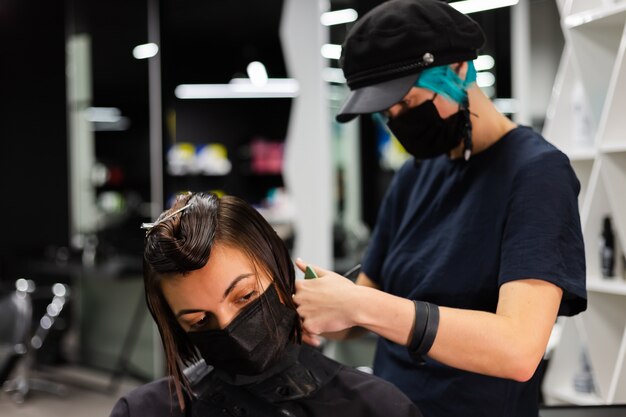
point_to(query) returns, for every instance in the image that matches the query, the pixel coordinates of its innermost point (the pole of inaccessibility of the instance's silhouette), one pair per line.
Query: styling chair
(15, 321)
(19, 342)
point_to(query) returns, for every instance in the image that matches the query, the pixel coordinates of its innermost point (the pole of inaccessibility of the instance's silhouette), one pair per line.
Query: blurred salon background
(108, 109)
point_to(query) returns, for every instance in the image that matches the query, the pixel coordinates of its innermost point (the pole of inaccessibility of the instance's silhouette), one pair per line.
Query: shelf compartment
(561, 123)
(604, 323)
(595, 206)
(595, 40)
(558, 385)
(612, 127)
(614, 178)
(594, 58)
(617, 390)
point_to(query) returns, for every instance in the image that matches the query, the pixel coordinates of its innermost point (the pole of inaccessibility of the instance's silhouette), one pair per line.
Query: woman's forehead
(228, 268)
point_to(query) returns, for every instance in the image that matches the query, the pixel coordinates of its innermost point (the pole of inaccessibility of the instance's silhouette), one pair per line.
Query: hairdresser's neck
(488, 124)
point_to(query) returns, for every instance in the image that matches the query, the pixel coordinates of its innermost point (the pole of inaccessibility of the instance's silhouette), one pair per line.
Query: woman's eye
(200, 323)
(246, 298)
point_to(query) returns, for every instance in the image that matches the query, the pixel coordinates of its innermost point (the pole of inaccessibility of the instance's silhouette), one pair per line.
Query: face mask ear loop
(470, 78)
(467, 131)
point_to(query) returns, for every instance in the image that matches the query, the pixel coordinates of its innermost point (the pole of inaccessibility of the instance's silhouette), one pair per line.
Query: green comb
(309, 273)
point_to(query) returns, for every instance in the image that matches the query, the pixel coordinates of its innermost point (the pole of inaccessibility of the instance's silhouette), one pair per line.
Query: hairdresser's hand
(311, 339)
(326, 304)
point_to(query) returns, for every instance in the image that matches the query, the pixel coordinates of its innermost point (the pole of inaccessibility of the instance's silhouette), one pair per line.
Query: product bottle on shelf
(582, 130)
(583, 380)
(607, 249)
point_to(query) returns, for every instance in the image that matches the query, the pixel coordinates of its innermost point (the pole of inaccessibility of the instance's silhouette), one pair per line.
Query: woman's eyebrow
(188, 311)
(234, 283)
(228, 290)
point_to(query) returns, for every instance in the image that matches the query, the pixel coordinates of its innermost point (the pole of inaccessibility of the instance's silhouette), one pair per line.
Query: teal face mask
(444, 81)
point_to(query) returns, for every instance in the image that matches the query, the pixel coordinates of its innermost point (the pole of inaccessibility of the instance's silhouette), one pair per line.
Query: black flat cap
(387, 48)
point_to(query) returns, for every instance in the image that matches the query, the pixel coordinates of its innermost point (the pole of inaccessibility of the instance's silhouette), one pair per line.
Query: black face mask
(253, 341)
(424, 134)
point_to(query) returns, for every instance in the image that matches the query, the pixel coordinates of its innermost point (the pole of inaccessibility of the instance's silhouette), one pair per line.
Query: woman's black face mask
(424, 134)
(254, 341)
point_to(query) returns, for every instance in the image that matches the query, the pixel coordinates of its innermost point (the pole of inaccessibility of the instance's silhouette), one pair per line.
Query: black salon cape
(349, 393)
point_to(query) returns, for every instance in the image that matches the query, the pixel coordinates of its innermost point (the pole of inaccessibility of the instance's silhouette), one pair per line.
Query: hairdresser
(477, 247)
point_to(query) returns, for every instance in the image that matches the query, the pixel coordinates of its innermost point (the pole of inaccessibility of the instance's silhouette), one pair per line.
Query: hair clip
(149, 226)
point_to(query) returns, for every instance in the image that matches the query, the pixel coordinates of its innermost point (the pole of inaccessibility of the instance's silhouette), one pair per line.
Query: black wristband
(425, 327)
(419, 325)
(431, 329)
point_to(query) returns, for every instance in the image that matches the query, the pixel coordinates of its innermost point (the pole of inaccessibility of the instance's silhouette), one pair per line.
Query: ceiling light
(338, 17)
(484, 62)
(103, 114)
(240, 88)
(147, 50)
(473, 6)
(106, 119)
(257, 73)
(331, 51)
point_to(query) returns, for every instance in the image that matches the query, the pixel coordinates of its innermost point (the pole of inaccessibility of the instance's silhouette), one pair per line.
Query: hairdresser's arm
(355, 331)
(508, 343)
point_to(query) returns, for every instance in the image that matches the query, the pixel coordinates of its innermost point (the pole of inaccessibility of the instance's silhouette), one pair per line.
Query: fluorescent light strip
(338, 17)
(103, 114)
(147, 50)
(240, 88)
(473, 6)
(331, 51)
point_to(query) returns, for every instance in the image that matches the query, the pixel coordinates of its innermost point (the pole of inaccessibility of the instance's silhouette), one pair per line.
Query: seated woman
(219, 284)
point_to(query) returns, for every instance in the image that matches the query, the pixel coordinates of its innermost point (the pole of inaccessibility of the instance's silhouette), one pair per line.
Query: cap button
(428, 58)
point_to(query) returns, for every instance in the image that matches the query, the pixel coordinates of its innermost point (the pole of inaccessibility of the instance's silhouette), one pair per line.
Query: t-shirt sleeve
(542, 234)
(120, 409)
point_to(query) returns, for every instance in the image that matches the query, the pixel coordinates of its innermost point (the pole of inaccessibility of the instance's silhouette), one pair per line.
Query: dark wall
(212, 42)
(33, 152)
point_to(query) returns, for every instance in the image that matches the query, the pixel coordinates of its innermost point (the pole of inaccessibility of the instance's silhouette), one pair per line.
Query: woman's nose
(224, 318)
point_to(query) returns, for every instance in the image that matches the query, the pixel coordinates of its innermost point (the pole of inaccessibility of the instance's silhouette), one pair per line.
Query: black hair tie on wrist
(425, 326)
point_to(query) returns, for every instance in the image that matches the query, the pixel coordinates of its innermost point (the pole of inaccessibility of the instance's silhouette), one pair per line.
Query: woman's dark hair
(182, 242)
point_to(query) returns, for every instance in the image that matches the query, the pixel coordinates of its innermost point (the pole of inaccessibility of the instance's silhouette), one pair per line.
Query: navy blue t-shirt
(450, 232)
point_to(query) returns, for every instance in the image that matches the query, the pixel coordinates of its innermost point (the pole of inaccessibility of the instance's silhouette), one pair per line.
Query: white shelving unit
(587, 120)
